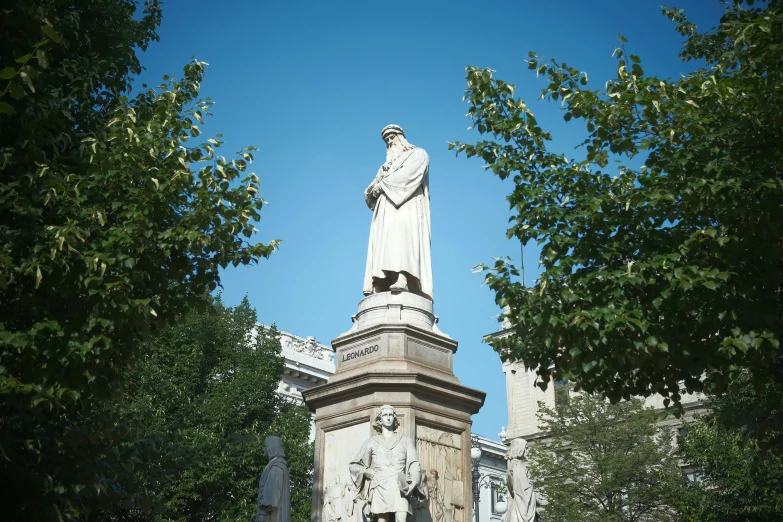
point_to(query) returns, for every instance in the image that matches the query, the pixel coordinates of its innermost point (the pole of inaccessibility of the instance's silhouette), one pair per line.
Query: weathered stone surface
(395, 308)
(390, 361)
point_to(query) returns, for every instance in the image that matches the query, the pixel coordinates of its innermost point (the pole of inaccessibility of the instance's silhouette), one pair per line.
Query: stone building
(307, 364)
(523, 398)
(492, 468)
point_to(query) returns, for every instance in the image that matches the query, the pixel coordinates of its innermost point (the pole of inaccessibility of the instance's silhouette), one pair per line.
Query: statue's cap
(391, 129)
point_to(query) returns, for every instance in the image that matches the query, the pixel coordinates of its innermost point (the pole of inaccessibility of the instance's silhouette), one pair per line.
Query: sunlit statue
(399, 256)
(390, 463)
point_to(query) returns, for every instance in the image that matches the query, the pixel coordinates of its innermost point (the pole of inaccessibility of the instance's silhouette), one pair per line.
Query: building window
(498, 494)
(694, 477)
(562, 392)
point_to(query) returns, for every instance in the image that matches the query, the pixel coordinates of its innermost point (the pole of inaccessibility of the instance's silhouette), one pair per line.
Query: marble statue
(274, 488)
(398, 256)
(389, 463)
(522, 498)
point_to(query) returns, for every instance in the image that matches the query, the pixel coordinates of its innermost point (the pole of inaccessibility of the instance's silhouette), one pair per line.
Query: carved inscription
(361, 352)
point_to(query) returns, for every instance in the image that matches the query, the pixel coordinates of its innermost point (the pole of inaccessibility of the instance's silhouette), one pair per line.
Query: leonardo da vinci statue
(398, 257)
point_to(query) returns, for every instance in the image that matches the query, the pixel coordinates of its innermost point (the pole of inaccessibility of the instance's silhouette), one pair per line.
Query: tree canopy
(115, 218)
(604, 462)
(197, 410)
(661, 240)
(737, 478)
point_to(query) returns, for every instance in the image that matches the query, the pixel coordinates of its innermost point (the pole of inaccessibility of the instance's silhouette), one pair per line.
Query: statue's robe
(392, 461)
(522, 507)
(274, 490)
(400, 233)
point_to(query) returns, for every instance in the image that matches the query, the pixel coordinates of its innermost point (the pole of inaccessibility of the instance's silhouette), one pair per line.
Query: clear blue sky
(312, 83)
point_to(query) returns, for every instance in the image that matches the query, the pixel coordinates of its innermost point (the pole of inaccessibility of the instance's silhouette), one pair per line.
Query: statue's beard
(395, 150)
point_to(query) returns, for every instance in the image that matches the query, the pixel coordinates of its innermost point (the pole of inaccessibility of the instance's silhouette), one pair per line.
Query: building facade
(492, 484)
(308, 363)
(524, 396)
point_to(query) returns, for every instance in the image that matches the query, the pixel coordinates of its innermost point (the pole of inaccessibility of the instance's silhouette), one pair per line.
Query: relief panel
(440, 453)
(342, 502)
(429, 353)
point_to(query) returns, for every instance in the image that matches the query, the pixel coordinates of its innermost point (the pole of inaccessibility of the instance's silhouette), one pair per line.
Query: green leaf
(6, 108)
(645, 245)
(51, 33)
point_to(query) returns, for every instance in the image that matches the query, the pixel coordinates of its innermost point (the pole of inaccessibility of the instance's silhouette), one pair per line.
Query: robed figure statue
(399, 256)
(274, 488)
(522, 505)
(388, 466)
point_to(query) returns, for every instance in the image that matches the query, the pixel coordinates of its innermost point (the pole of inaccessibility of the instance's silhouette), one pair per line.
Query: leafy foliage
(604, 462)
(739, 479)
(112, 222)
(665, 267)
(205, 398)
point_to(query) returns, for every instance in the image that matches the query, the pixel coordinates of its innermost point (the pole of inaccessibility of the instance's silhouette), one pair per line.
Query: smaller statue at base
(390, 463)
(522, 498)
(274, 488)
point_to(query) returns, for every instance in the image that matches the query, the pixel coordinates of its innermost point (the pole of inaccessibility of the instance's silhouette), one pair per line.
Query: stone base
(394, 355)
(395, 308)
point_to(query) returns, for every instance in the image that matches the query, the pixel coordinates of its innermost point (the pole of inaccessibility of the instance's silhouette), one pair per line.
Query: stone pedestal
(394, 354)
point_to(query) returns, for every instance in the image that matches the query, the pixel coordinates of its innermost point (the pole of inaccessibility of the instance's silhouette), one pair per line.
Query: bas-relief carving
(440, 453)
(429, 353)
(342, 501)
(308, 346)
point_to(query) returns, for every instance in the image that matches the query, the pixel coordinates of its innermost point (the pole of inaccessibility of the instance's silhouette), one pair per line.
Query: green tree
(661, 244)
(204, 397)
(738, 481)
(112, 222)
(604, 462)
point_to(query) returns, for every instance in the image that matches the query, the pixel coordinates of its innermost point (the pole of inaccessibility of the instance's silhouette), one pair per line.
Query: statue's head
(273, 447)
(517, 449)
(387, 417)
(395, 140)
(391, 133)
